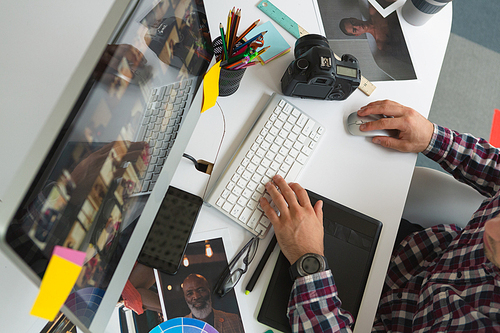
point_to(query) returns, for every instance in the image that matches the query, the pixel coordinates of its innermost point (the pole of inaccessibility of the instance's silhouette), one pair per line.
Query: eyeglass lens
(251, 252)
(235, 276)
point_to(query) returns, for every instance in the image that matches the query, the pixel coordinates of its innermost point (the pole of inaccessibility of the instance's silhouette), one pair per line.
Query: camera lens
(304, 43)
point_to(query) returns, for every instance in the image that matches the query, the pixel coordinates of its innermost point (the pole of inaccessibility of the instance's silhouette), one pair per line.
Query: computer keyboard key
(260, 229)
(236, 211)
(254, 219)
(227, 206)
(265, 221)
(232, 199)
(293, 172)
(245, 215)
(287, 109)
(252, 204)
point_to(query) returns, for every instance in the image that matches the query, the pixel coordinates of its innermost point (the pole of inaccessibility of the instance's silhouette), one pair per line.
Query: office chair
(435, 197)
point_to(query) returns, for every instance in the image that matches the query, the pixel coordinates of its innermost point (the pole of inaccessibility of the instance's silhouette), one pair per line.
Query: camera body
(316, 73)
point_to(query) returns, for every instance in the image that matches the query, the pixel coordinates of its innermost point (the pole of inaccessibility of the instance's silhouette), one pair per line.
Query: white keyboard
(280, 142)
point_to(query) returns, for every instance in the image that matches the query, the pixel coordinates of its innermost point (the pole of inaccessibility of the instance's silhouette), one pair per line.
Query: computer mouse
(353, 122)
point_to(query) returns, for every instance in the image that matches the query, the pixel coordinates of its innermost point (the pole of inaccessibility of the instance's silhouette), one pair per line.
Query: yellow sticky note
(211, 87)
(57, 282)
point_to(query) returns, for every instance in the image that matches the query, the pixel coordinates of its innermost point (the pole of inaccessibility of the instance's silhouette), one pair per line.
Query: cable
(220, 146)
(192, 159)
(203, 166)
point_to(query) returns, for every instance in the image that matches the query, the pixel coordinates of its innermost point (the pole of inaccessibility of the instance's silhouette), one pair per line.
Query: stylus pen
(261, 265)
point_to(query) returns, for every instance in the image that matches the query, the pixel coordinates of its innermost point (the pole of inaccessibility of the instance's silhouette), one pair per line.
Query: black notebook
(350, 242)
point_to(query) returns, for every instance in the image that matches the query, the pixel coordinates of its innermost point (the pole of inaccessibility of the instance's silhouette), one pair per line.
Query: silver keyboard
(160, 125)
(280, 142)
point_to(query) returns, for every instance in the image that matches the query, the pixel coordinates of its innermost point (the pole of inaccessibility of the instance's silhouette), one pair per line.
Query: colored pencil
(240, 56)
(228, 24)
(250, 41)
(230, 28)
(256, 54)
(234, 31)
(224, 48)
(239, 62)
(253, 25)
(253, 63)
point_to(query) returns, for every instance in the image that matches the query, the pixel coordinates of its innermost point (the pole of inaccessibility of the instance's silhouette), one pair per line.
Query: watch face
(311, 265)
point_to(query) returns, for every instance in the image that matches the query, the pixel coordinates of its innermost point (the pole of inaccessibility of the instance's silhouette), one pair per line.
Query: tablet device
(350, 242)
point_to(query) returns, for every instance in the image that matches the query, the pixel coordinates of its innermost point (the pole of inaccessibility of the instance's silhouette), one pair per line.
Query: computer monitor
(106, 173)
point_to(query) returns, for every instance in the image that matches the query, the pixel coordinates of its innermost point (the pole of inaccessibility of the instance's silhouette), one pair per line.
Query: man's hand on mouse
(299, 228)
(415, 131)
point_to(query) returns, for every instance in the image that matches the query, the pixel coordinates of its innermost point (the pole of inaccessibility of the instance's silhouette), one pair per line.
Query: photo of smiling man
(189, 293)
(197, 295)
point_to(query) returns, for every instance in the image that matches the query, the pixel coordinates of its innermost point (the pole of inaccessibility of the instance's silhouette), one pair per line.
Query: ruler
(297, 31)
(281, 18)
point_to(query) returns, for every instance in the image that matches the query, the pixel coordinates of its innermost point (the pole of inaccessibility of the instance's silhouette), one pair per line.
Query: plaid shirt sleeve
(473, 161)
(315, 307)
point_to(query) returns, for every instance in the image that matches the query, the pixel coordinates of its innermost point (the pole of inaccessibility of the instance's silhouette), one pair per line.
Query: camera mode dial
(302, 64)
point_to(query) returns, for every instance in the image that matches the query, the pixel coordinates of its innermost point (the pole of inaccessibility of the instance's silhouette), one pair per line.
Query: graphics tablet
(350, 242)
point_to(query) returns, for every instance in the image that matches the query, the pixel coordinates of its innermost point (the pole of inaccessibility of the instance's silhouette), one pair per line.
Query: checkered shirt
(439, 279)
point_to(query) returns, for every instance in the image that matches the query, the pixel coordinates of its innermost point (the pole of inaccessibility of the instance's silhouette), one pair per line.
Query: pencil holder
(229, 80)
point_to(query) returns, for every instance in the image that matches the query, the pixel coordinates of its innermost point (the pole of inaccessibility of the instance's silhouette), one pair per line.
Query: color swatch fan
(183, 325)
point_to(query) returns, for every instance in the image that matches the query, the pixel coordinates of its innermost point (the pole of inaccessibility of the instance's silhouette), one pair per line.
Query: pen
(253, 25)
(223, 40)
(261, 265)
(250, 41)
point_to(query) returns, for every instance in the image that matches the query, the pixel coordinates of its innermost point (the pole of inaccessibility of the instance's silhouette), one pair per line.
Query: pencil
(249, 64)
(260, 266)
(253, 25)
(237, 63)
(240, 56)
(256, 54)
(234, 31)
(228, 27)
(230, 31)
(224, 48)
(250, 41)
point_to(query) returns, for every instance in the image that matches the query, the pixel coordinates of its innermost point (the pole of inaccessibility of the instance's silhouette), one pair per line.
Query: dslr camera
(316, 73)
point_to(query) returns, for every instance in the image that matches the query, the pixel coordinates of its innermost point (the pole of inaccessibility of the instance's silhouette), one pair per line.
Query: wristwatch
(308, 264)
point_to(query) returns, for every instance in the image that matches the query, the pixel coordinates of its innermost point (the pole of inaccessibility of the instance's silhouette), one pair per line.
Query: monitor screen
(95, 180)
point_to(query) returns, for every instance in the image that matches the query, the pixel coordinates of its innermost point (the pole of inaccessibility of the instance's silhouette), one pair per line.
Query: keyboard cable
(202, 166)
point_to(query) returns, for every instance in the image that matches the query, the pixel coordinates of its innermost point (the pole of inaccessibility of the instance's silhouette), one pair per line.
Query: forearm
(470, 160)
(313, 309)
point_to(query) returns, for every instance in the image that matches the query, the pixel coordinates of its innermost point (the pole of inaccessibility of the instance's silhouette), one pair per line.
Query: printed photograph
(377, 42)
(140, 309)
(189, 293)
(386, 7)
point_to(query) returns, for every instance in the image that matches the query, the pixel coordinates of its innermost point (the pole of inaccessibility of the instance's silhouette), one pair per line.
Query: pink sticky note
(74, 256)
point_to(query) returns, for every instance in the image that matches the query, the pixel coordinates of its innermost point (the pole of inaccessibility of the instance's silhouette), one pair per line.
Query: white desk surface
(349, 170)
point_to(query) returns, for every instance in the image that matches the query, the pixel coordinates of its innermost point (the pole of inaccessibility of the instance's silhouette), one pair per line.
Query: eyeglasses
(229, 278)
